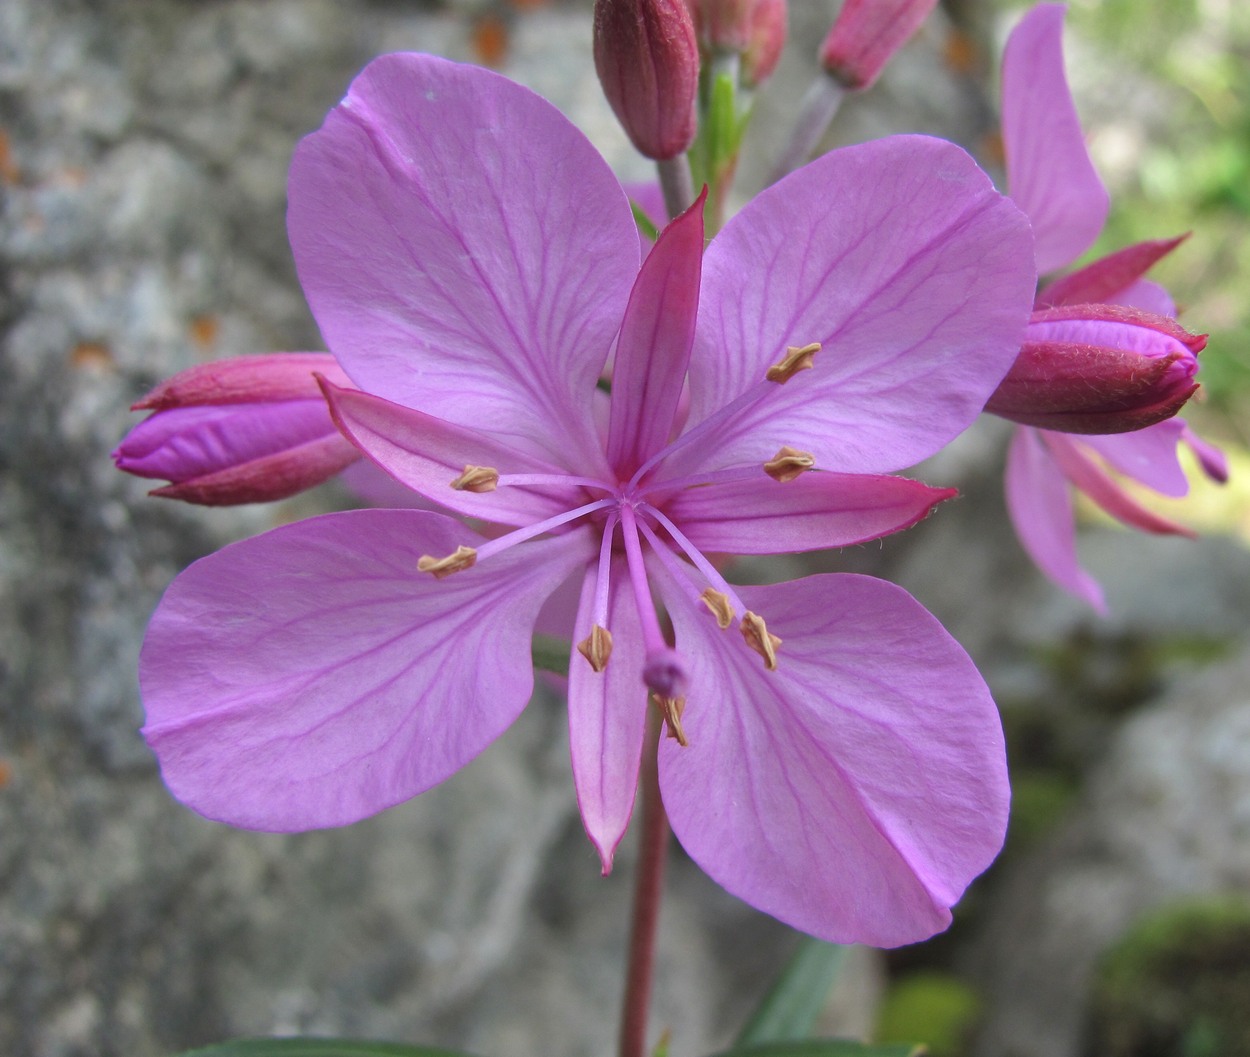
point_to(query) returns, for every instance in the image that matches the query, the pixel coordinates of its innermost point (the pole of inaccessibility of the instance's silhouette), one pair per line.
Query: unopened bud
(866, 34)
(246, 430)
(755, 30)
(648, 63)
(1099, 369)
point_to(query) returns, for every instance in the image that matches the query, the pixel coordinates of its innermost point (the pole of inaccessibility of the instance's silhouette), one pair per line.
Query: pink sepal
(263, 378)
(1105, 278)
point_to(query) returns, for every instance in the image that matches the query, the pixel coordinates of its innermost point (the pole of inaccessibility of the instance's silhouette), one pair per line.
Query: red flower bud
(1099, 369)
(648, 63)
(866, 34)
(753, 29)
(245, 430)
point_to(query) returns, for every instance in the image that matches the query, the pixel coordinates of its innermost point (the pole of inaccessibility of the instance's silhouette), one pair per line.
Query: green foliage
(792, 1006)
(825, 1048)
(300, 1047)
(931, 1006)
(1178, 985)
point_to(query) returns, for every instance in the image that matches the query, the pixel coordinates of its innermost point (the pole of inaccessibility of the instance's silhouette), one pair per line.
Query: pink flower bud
(648, 63)
(866, 34)
(245, 430)
(753, 29)
(1099, 369)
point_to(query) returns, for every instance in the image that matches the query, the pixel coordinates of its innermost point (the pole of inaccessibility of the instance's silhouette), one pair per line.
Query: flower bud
(752, 29)
(648, 63)
(866, 34)
(1099, 369)
(245, 430)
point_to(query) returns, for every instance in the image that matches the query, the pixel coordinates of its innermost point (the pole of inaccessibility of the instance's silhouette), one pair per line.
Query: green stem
(648, 886)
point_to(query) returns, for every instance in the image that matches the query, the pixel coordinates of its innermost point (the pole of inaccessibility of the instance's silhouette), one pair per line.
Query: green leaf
(791, 1007)
(550, 654)
(301, 1047)
(644, 222)
(825, 1048)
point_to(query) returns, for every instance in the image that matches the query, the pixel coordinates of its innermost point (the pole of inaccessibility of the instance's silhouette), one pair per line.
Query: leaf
(790, 1008)
(307, 1047)
(551, 654)
(826, 1048)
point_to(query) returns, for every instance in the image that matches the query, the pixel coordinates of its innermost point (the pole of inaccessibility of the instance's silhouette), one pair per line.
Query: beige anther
(460, 559)
(477, 479)
(760, 639)
(718, 603)
(671, 709)
(788, 463)
(596, 647)
(796, 359)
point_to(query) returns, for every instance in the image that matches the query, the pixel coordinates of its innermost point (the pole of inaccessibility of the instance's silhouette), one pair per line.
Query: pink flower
(245, 430)
(865, 36)
(834, 758)
(1051, 177)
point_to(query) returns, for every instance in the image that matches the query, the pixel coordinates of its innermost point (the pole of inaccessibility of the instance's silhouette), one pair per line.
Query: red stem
(649, 883)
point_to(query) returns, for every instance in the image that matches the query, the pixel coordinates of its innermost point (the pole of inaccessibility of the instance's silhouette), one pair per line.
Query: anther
(596, 647)
(796, 359)
(718, 603)
(788, 463)
(460, 559)
(760, 639)
(476, 479)
(671, 709)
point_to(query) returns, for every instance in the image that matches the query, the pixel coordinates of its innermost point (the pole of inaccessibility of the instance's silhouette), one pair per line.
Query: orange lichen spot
(671, 709)
(796, 359)
(204, 330)
(788, 463)
(961, 53)
(490, 39)
(596, 647)
(760, 639)
(718, 603)
(476, 479)
(457, 561)
(6, 773)
(9, 172)
(992, 149)
(91, 355)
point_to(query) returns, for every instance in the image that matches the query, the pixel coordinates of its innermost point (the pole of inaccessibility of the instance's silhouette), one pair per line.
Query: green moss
(1178, 985)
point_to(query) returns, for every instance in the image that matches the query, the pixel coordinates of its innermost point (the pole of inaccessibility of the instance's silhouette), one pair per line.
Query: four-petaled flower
(834, 758)
(1051, 177)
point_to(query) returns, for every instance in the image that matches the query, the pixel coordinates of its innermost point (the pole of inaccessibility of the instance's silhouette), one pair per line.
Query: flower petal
(653, 349)
(1096, 483)
(1148, 456)
(1040, 505)
(427, 454)
(1212, 460)
(311, 676)
(464, 248)
(913, 274)
(607, 717)
(1049, 172)
(811, 512)
(855, 791)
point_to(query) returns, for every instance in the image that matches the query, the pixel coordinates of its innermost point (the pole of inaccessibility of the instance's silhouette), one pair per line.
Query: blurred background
(143, 151)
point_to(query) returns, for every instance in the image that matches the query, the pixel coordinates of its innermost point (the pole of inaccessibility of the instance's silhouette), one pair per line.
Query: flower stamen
(796, 359)
(718, 603)
(789, 463)
(458, 560)
(596, 647)
(758, 637)
(477, 479)
(671, 709)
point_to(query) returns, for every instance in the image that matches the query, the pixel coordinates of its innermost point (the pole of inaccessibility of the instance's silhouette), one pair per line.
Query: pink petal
(1213, 461)
(855, 791)
(653, 349)
(814, 511)
(428, 454)
(913, 274)
(1040, 505)
(1148, 296)
(311, 676)
(1148, 456)
(607, 717)
(1096, 483)
(263, 378)
(464, 249)
(1049, 173)
(1109, 276)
